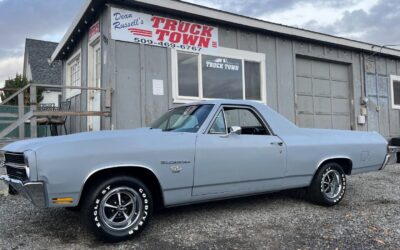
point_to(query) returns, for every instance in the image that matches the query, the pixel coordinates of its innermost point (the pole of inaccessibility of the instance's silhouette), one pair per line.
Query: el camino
(194, 153)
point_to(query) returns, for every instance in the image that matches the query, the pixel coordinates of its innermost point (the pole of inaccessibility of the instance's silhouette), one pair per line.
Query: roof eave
(240, 20)
(71, 29)
(237, 20)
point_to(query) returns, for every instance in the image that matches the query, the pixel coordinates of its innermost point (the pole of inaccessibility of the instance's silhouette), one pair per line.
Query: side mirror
(235, 130)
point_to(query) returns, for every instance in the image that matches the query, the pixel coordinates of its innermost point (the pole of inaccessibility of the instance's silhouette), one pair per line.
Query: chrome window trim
(251, 108)
(15, 165)
(221, 109)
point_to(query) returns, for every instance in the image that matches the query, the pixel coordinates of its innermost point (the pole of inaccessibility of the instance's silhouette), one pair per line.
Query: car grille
(14, 158)
(15, 166)
(16, 173)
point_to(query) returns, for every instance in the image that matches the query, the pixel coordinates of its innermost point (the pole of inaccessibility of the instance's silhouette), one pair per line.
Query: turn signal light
(61, 201)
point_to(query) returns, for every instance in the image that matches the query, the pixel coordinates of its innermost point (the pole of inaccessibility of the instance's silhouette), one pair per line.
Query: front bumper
(387, 158)
(34, 191)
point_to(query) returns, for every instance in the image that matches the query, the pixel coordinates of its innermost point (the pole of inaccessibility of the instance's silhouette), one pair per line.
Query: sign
(223, 64)
(94, 30)
(158, 87)
(131, 26)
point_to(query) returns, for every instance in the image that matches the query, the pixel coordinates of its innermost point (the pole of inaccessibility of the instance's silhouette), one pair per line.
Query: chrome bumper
(387, 158)
(34, 191)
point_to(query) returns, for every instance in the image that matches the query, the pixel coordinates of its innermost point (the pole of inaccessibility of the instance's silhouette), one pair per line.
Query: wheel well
(345, 163)
(143, 174)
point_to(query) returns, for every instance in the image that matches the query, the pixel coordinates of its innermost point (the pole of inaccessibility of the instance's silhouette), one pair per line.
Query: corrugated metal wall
(129, 69)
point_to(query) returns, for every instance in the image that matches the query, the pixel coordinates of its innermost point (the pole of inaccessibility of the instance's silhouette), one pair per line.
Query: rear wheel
(329, 185)
(117, 208)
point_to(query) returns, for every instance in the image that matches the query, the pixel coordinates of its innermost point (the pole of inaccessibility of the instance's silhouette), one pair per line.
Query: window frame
(394, 78)
(250, 108)
(242, 55)
(76, 57)
(221, 110)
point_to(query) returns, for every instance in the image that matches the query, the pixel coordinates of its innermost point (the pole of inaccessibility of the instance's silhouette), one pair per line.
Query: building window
(188, 75)
(230, 74)
(222, 77)
(73, 73)
(395, 89)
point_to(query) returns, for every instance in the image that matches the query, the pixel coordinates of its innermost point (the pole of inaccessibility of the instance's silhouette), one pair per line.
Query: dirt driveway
(368, 217)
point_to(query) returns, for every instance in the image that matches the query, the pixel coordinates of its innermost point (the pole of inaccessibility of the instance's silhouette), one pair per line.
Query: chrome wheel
(121, 208)
(332, 184)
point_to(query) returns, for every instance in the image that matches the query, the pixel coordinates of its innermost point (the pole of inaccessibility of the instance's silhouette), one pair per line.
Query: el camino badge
(175, 168)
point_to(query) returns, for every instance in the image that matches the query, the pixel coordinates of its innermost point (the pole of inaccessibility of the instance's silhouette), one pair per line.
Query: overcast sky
(374, 21)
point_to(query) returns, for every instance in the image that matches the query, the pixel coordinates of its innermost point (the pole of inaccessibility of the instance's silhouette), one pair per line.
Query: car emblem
(176, 169)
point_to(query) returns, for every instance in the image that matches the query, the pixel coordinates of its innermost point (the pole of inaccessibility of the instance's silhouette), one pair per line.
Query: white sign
(137, 27)
(223, 63)
(158, 87)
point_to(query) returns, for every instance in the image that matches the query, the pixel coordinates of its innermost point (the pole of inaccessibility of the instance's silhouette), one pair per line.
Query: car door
(253, 161)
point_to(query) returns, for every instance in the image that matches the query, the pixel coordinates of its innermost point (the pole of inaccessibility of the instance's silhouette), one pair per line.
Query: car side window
(219, 126)
(245, 118)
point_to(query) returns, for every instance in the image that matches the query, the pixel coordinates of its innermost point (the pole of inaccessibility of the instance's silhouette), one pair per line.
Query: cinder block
(3, 188)
(3, 185)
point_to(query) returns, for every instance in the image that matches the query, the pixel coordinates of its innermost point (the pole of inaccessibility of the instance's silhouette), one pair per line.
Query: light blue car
(194, 153)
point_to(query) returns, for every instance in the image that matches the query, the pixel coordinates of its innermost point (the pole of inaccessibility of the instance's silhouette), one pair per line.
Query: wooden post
(33, 101)
(21, 112)
(108, 98)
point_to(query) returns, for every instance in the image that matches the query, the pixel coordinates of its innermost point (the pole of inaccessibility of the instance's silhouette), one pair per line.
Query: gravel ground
(367, 218)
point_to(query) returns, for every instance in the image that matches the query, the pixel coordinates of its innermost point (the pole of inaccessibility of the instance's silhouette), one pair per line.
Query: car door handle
(277, 144)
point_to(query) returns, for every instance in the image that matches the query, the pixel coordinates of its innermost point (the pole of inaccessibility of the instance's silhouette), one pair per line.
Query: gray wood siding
(127, 103)
(381, 117)
(129, 69)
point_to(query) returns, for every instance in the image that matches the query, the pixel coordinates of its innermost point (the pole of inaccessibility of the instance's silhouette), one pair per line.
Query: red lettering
(194, 29)
(204, 42)
(162, 34)
(190, 39)
(207, 31)
(183, 27)
(175, 37)
(156, 21)
(170, 24)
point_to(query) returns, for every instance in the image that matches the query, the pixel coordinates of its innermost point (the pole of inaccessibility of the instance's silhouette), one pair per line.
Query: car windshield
(183, 119)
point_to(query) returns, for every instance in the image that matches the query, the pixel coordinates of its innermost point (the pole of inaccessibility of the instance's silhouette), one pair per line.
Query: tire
(328, 186)
(12, 191)
(73, 209)
(128, 210)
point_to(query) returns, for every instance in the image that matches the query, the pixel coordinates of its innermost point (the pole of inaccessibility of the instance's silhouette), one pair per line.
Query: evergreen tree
(18, 83)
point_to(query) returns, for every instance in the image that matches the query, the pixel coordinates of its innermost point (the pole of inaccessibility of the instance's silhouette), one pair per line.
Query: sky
(374, 21)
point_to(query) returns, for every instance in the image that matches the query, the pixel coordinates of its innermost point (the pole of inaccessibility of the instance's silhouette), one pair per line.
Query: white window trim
(392, 79)
(69, 93)
(223, 52)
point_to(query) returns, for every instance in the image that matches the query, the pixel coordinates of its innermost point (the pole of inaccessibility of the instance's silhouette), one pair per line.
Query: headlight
(26, 161)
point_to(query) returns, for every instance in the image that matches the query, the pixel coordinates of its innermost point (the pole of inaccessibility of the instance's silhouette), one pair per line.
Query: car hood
(35, 144)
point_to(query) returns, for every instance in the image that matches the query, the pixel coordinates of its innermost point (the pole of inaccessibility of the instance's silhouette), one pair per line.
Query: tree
(14, 85)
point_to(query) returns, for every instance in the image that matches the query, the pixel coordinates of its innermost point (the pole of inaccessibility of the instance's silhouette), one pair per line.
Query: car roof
(224, 102)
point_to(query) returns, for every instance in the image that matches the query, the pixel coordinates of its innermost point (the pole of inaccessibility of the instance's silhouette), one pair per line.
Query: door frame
(93, 45)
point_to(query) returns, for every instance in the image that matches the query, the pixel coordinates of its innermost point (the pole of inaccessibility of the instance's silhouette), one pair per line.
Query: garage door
(322, 94)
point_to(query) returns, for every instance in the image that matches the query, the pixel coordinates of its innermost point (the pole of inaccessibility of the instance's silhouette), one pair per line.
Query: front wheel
(118, 208)
(329, 185)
